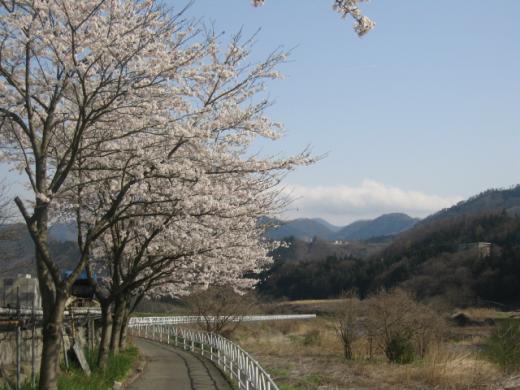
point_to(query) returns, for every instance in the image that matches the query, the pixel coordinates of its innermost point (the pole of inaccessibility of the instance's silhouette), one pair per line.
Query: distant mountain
(307, 228)
(352, 230)
(302, 228)
(385, 225)
(331, 227)
(63, 232)
(494, 201)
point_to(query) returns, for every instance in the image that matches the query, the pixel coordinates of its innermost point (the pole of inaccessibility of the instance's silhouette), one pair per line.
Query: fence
(21, 338)
(93, 312)
(242, 369)
(177, 320)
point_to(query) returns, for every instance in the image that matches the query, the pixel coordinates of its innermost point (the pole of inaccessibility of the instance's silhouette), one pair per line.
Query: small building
(483, 249)
(23, 290)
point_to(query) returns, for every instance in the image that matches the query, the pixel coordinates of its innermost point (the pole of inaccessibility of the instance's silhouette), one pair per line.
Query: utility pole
(18, 337)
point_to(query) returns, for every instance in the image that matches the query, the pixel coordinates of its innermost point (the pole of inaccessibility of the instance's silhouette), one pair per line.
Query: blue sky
(418, 114)
(426, 104)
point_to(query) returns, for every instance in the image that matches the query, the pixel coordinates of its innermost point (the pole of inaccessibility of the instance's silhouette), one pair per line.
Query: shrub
(218, 307)
(401, 327)
(347, 324)
(400, 349)
(503, 345)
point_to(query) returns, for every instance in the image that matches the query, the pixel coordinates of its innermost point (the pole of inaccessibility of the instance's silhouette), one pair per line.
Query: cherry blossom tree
(192, 217)
(73, 75)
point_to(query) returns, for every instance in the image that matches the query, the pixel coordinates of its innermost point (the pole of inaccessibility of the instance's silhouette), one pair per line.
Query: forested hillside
(493, 201)
(433, 261)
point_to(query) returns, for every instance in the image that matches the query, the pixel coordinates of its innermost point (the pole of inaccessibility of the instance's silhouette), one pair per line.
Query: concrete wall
(8, 350)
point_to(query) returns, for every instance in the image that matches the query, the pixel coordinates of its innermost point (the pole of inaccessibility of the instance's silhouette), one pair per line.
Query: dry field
(308, 355)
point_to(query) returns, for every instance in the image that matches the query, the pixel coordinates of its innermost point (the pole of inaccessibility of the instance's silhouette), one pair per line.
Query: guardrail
(76, 311)
(176, 320)
(242, 369)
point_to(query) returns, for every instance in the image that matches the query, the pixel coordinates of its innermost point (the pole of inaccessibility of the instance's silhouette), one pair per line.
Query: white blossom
(346, 7)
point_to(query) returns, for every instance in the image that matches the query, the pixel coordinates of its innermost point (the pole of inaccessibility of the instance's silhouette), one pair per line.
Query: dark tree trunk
(106, 332)
(52, 328)
(124, 328)
(347, 349)
(53, 297)
(116, 325)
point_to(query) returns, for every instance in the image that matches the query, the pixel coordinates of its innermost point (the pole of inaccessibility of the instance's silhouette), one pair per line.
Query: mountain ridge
(308, 228)
(492, 201)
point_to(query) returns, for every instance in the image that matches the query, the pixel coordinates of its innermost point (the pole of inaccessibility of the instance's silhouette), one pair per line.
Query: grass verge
(118, 367)
(503, 346)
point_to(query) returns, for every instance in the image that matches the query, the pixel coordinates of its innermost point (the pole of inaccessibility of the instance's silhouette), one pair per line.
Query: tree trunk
(124, 327)
(347, 349)
(106, 332)
(116, 325)
(53, 297)
(52, 345)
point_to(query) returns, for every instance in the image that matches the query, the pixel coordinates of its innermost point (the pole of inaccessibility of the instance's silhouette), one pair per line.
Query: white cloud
(343, 204)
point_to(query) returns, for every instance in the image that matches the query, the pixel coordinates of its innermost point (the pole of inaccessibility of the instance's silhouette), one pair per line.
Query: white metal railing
(242, 369)
(76, 311)
(175, 320)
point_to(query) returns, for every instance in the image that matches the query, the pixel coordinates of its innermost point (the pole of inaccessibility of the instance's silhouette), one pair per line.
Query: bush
(347, 324)
(400, 349)
(503, 345)
(218, 307)
(401, 327)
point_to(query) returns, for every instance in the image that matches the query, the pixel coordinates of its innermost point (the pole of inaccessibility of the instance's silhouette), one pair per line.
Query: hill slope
(494, 201)
(436, 261)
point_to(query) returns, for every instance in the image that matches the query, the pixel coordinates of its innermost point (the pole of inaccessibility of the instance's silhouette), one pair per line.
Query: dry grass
(480, 313)
(445, 368)
(323, 306)
(314, 301)
(305, 355)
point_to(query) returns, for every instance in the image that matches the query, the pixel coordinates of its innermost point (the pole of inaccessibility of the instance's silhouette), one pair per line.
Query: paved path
(169, 368)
